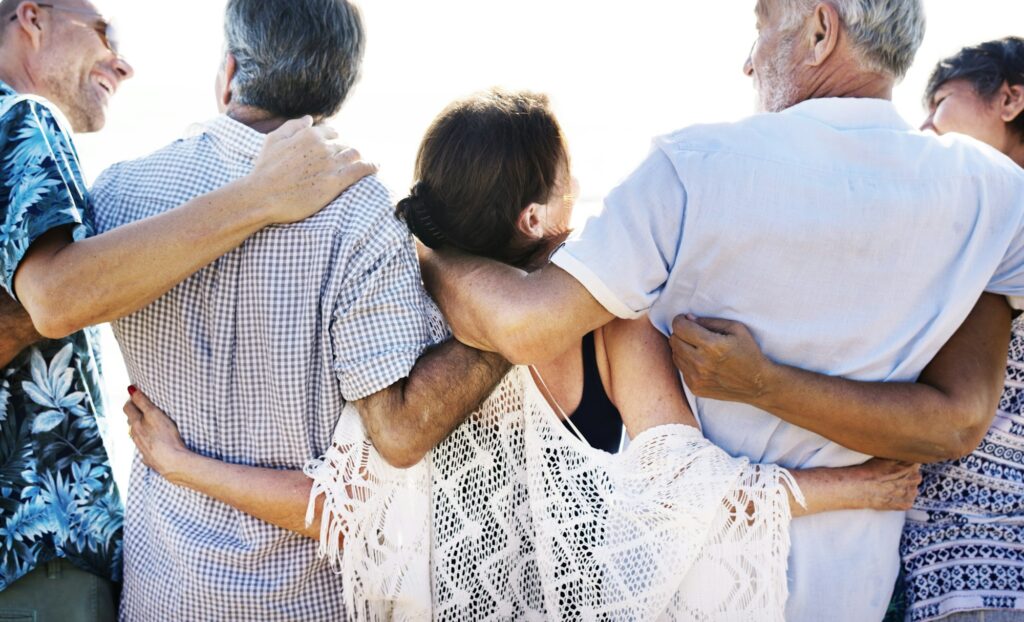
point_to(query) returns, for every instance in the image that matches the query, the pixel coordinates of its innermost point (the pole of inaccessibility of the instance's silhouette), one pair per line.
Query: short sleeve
(623, 256)
(381, 324)
(42, 186)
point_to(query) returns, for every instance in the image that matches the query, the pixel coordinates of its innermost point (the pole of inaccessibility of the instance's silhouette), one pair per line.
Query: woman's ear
(530, 223)
(1011, 102)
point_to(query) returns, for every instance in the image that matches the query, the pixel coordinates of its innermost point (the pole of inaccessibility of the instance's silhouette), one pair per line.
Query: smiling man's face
(76, 66)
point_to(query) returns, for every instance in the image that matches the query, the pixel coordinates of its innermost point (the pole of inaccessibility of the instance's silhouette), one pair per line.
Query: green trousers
(57, 591)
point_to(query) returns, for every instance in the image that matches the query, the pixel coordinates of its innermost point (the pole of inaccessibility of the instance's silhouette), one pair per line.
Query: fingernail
(691, 317)
(131, 390)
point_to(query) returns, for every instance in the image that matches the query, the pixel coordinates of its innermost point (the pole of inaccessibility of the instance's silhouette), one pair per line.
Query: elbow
(398, 444)
(966, 430)
(399, 456)
(52, 313)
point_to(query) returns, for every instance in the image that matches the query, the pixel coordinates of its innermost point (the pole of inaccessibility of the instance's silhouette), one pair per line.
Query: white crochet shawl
(515, 518)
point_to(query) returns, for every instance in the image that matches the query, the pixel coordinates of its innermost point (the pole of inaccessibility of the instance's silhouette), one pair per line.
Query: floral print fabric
(57, 494)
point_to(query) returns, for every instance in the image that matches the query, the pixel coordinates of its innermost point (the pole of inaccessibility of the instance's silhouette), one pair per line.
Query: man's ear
(824, 33)
(224, 80)
(31, 22)
(1011, 102)
(529, 222)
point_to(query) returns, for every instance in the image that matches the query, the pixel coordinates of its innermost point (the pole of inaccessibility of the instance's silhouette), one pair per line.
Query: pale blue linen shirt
(850, 244)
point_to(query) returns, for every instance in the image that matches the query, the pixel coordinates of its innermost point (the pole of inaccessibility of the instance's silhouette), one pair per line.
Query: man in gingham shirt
(255, 356)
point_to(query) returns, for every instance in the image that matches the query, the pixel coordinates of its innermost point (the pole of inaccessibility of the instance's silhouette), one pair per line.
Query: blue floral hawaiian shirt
(57, 493)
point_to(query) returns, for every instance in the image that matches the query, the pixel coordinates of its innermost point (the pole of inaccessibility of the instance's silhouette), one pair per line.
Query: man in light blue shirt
(848, 242)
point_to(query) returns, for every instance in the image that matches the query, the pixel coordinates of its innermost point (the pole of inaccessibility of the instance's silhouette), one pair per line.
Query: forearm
(66, 287)
(17, 331)
(528, 318)
(901, 421)
(407, 420)
(824, 490)
(278, 497)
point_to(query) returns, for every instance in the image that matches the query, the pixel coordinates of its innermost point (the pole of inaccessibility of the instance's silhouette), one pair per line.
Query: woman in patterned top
(963, 545)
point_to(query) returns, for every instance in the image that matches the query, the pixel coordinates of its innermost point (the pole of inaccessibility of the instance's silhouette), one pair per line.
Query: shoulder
(366, 212)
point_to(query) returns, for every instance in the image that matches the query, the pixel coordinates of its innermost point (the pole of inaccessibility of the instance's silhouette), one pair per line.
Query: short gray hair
(887, 33)
(294, 57)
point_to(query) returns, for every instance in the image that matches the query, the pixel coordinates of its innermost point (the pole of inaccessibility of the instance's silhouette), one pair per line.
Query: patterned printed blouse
(963, 545)
(57, 494)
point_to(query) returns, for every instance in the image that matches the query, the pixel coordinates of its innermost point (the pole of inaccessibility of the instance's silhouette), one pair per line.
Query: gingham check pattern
(254, 358)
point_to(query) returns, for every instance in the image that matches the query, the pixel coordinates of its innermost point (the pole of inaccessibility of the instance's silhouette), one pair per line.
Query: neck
(14, 72)
(259, 120)
(1016, 152)
(846, 77)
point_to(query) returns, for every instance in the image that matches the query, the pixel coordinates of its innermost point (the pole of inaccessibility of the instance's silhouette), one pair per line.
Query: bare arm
(645, 387)
(65, 285)
(279, 497)
(16, 330)
(943, 415)
(526, 317)
(409, 418)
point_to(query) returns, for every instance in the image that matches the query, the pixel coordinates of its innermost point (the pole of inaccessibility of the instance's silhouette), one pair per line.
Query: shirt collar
(851, 113)
(233, 138)
(6, 90)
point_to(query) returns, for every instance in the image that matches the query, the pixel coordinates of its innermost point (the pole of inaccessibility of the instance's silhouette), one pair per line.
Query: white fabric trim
(597, 287)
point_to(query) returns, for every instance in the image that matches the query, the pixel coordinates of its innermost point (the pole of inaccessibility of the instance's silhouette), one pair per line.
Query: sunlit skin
(60, 54)
(957, 107)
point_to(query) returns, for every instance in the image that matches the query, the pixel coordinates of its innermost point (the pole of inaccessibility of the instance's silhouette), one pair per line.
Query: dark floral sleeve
(41, 187)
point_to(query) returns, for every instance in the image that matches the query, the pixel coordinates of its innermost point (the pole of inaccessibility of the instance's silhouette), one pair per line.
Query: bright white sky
(618, 74)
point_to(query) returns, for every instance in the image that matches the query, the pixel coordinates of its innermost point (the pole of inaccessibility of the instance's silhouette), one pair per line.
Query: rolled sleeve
(42, 184)
(624, 255)
(382, 326)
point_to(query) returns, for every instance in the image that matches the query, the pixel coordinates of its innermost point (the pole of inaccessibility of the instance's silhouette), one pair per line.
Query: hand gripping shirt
(57, 494)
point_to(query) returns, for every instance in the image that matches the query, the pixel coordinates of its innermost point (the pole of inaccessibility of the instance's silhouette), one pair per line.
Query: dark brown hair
(986, 67)
(484, 160)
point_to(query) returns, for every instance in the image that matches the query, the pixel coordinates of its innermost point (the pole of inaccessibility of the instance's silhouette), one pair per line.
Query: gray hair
(887, 33)
(294, 57)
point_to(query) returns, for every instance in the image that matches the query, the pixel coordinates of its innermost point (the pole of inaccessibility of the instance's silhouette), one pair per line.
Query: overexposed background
(618, 74)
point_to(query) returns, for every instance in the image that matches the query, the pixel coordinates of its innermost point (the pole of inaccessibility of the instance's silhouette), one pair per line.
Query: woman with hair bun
(493, 178)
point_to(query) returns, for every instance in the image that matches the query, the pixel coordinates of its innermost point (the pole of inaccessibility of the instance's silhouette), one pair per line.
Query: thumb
(291, 128)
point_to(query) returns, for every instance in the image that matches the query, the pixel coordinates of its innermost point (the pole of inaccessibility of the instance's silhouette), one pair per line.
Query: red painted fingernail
(131, 390)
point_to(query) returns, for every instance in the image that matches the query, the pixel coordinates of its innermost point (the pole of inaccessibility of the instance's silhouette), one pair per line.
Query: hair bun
(416, 209)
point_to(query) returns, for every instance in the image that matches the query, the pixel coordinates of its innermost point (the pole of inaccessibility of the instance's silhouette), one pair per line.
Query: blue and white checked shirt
(254, 358)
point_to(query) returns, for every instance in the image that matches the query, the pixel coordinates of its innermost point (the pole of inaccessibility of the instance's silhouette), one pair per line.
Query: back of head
(986, 67)
(885, 33)
(294, 57)
(482, 162)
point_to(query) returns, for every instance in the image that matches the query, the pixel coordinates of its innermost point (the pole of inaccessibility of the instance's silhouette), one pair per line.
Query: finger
(326, 132)
(132, 412)
(681, 347)
(693, 333)
(142, 402)
(290, 128)
(351, 173)
(724, 327)
(347, 155)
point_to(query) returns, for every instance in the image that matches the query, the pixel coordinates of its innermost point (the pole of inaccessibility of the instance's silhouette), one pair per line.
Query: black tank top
(596, 417)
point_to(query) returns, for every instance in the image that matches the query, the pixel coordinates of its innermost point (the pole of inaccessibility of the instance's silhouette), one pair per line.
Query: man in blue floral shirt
(60, 513)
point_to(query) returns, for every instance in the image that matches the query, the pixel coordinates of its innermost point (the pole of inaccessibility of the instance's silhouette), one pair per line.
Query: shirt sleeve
(43, 186)
(381, 324)
(624, 255)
